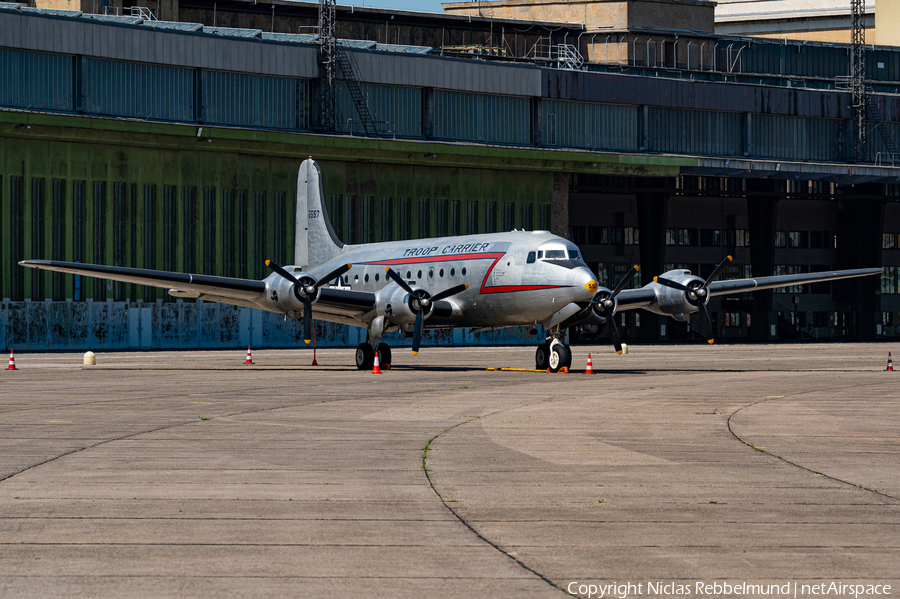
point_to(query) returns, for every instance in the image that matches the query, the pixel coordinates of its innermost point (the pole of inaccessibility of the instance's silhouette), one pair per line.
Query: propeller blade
(706, 322)
(333, 275)
(626, 280)
(715, 274)
(672, 284)
(285, 274)
(449, 292)
(307, 320)
(399, 280)
(417, 332)
(614, 334)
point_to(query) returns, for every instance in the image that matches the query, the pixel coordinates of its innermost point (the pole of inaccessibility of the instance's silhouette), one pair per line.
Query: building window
(509, 216)
(578, 235)
(798, 239)
(820, 240)
(440, 217)
(280, 221)
(78, 234)
(732, 319)
(37, 236)
(169, 241)
(471, 218)
(149, 236)
(120, 232)
(240, 238)
(671, 237)
(335, 213)
(602, 271)
(888, 241)
(424, 220)
(16, 239)
(687, 237)
(490, 217)
(386, 218)
(597, 235)
(527, 217)
(365, 220)
(453, 218)
(188, 229)
(889, 280)
(259, 234)
(544, 211)
(710, 238)
(404, 224)
(780, 239)
(58, 236)
(209, 231)
(632, 236)
(228, 232)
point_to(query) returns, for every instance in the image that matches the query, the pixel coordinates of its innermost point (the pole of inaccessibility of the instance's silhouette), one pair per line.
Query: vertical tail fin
(315, 240)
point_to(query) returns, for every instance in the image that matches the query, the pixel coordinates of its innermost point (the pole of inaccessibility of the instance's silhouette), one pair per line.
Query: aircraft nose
(585, 283)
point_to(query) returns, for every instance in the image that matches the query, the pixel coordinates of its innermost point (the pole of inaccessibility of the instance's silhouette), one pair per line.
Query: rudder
(315, 240)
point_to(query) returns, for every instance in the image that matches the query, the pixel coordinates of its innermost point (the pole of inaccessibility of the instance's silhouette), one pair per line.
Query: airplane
(479, 281)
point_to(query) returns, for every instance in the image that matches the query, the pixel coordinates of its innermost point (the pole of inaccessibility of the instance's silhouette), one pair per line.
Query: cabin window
(464, 271)
(376, 277)
(531, 257)
(452, 272)
(441, 274)
(419, 275)
(367, 278)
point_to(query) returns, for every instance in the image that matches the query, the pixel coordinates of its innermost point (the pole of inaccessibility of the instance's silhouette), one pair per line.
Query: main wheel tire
(542, 356)
(384, 355)
(560, 357)
(365, 356)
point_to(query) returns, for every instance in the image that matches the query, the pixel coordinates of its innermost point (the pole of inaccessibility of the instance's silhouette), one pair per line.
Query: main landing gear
(553, 355)
(365, 356)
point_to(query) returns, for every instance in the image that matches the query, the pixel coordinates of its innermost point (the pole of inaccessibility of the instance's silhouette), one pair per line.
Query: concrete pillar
(762, 207)
(561, 204)
(651, 212)
(859, 229)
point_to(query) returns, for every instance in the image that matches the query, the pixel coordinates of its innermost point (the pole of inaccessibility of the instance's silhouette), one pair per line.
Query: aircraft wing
(742, 285)
(242, 290)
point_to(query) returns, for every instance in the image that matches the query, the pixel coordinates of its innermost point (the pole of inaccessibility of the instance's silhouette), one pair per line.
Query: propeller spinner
(697, 294)
(306, 289)
(421, 302)
(605, 302)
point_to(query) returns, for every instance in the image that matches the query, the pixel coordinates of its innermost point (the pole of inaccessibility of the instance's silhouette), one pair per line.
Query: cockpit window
(573, 254)
(530, 259)
(555, 254)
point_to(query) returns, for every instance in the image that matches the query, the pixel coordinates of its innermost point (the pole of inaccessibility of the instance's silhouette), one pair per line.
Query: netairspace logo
(624, 590)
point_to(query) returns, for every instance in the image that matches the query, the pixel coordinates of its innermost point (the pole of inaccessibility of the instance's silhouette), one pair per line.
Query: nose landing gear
(553, 355)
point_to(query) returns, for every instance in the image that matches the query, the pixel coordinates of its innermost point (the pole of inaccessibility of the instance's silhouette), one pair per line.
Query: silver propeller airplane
(480, 281)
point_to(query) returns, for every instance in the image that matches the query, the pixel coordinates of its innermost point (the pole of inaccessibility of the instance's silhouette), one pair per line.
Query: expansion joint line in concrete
(462, 520)
(794, 464)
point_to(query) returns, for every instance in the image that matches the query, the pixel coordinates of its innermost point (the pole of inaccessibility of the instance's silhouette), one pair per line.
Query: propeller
(306, 289)
(697, 294)
(420, 303)
(606, 306)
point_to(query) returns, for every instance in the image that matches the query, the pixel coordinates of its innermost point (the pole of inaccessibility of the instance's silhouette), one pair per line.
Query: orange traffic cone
(590, 369)
(249, 359)
(890, 366)
(377, 369)
(12, 361)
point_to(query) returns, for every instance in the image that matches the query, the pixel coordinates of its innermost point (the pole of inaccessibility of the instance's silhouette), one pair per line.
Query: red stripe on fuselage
(437, 258)
(451, 257)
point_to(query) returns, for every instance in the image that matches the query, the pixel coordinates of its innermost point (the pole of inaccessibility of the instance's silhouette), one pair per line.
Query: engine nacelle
(675, 302)
(397, 305)
(600, 310)
(285, 294)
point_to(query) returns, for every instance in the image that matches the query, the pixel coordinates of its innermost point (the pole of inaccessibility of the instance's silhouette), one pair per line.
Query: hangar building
(173, 144)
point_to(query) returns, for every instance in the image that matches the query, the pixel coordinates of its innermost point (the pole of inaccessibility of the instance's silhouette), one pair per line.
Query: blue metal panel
(35, 80)
(131, 89)
(793, 138)
(590, 125)
(396, 110)
(482, 117)
(696, 132)
(255, 100)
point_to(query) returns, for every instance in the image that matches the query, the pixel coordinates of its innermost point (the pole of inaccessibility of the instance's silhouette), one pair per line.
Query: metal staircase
(357, 94)
(874, 113)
